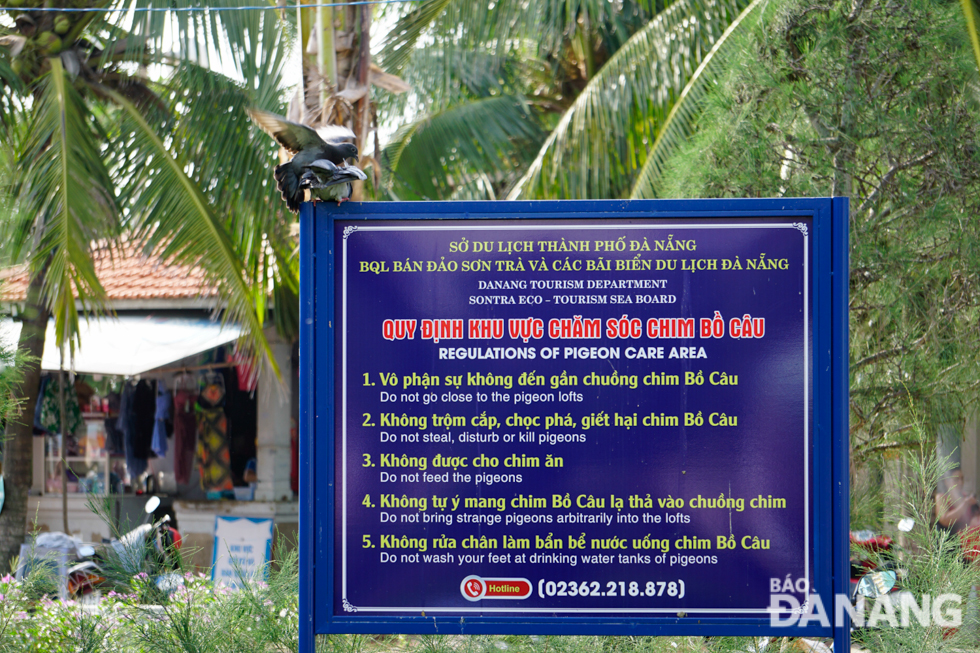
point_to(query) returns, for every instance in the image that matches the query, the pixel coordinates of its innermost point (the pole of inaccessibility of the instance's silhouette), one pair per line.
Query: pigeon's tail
(288, 184)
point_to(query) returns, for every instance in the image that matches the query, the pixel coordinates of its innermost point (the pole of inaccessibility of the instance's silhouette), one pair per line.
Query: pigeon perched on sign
(307, 145)
(327, 181)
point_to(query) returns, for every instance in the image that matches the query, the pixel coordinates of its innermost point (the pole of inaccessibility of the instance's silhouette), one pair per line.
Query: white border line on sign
(565, 227)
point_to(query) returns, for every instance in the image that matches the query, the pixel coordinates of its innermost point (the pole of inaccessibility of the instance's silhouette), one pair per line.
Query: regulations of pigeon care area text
(571, 421)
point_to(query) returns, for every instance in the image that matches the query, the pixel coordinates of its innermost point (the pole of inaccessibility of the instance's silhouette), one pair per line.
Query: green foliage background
(876, 101)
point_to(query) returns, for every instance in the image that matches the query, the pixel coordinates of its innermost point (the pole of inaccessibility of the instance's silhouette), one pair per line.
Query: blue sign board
(572, 417)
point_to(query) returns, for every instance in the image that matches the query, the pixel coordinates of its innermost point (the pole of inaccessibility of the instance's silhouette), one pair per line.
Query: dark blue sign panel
(594, 414)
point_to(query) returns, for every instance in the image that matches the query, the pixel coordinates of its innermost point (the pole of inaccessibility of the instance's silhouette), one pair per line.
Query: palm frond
(440, 78)
(400, 42)
(66, 184)
(285, 291)
(229, 165)
(601, 141)
(508, 47)
(19, 223)
(247, 42)
(259, 47)
(10, 84)
(439, 49)
(680, 123)
(473, 74)
(972, 17)
(479, 187)
(459, 26)
(433, 155)
(233, 163)
(16, 225)
(176, 220)
(12, 90)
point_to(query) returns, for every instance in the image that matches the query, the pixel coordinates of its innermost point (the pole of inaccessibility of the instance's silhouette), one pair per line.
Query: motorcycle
(877, 574)
(150, 546)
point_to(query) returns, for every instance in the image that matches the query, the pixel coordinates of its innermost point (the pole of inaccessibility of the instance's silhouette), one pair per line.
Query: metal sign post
(574, 417)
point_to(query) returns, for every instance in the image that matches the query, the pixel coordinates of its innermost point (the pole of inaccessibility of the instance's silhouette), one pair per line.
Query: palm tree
(556, 98)
(545, 99)
(92, 147)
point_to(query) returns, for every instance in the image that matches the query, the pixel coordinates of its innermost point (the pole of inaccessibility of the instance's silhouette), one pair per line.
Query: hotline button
(475, 588)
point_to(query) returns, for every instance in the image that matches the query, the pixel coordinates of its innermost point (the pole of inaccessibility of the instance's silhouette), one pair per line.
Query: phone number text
(584, 588)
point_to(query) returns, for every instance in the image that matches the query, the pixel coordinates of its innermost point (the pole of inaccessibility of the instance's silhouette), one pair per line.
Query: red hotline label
(475, 588)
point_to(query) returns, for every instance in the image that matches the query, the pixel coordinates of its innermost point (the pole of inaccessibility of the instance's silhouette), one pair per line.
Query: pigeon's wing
(292, 136)
(335, 134)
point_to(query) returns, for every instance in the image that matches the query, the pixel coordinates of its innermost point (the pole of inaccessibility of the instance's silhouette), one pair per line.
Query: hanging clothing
(160, 418)
(144, 410)
(248, 377)
(134, 466)
(136, 410)
(213, 457)
(185, 435)
(51, 408)
(114, 442)
(242, 411)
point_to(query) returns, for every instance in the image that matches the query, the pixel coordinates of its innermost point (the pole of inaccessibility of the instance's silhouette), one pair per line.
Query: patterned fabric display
(213, 457)
(51, 408)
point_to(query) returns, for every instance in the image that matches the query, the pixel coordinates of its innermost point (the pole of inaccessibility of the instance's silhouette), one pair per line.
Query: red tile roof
(126, 274)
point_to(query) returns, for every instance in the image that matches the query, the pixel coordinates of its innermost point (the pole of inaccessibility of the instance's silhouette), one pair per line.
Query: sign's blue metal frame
(317, 378)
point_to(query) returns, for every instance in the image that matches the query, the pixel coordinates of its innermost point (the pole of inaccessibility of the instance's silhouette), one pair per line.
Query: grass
(507, 644)
(259, 617)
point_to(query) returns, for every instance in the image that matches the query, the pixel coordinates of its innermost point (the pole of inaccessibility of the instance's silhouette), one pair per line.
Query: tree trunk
(362, 110)
(18, 452)
(64, 444)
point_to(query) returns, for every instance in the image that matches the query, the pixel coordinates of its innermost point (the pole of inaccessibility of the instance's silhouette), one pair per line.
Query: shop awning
(129, 345)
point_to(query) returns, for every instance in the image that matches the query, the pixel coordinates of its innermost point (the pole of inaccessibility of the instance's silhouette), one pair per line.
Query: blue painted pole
(841, 381)
(307, 284)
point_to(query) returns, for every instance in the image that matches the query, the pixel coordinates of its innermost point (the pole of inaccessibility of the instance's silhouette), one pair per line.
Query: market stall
(161, 404)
